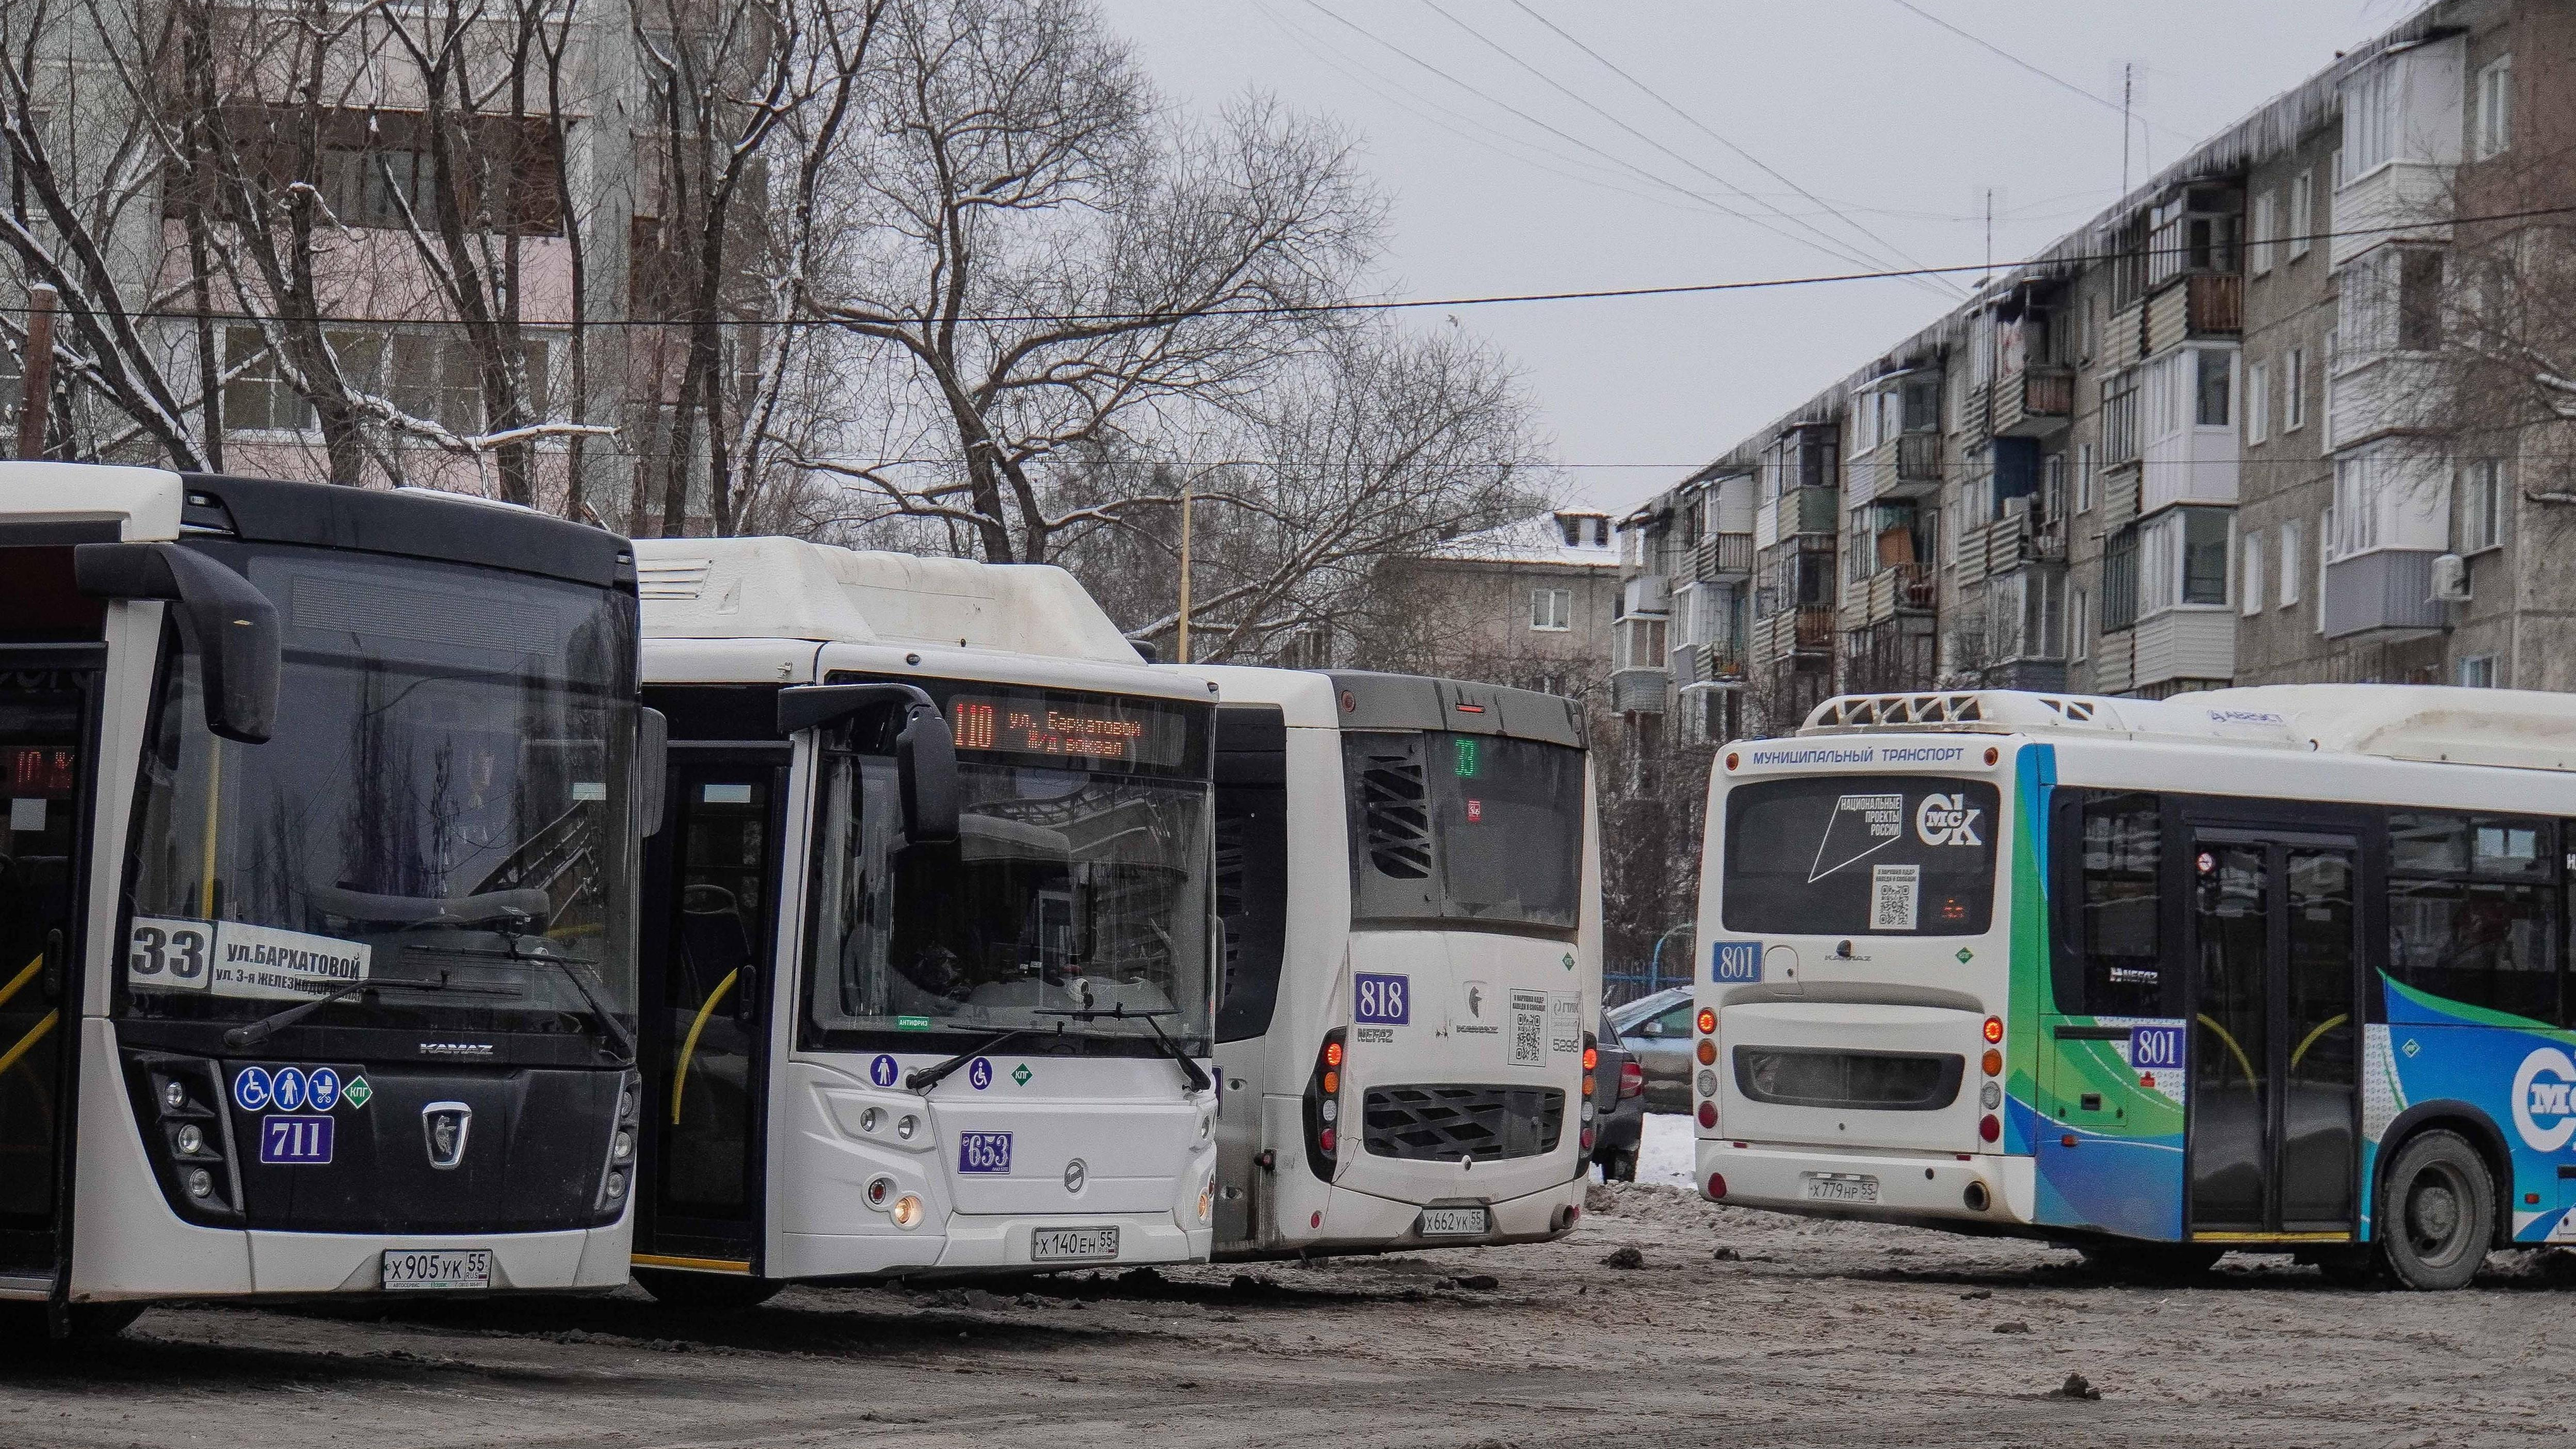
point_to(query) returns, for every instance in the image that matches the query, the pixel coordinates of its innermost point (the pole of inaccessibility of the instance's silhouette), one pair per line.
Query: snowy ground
(1663, 1320)
(1667, 1155)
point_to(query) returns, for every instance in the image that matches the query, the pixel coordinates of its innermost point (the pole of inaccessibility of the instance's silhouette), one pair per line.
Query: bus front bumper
(1991, 1190)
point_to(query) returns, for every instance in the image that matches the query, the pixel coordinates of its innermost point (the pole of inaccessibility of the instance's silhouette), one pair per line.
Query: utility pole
(1185, 570)
(2128, 75)
(35, 397)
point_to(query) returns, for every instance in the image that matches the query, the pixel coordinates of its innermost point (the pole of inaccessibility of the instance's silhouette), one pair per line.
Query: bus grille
(1873, 1081)
(1446, 1124)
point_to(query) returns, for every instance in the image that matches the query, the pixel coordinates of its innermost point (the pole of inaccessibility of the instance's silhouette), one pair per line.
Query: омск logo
(2544, 1099)
(1947, 820)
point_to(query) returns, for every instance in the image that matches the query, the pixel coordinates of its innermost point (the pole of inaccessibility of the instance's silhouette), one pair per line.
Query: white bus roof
(787, 588)
(2518, 728)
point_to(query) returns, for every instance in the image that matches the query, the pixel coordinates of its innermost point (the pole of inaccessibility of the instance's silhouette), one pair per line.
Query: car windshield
(1076, 898)
(1856, 855)
(442, 812)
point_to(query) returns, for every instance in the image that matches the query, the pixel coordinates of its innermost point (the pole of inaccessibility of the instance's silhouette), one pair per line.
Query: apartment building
(2230, 431)
(1527, 603)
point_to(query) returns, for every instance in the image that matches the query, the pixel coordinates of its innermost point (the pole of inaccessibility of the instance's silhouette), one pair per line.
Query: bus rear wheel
(718, 1292)
(2437, 1212)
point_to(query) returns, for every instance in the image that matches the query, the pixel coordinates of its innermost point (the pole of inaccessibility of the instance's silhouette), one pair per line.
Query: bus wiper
(599, 1012)
(243, 1038)
(1198, 1078)
(925, 1078)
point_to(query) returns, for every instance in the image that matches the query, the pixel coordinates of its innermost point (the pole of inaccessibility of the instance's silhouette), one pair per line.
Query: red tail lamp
(1708, 1114)
(1994, 1028)
(1707, 1021)
(1990, 1127)
(1591, 1057)
(1717, 1184)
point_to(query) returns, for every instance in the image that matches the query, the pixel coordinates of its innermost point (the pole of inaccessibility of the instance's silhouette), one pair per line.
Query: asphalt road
(1734, 1328)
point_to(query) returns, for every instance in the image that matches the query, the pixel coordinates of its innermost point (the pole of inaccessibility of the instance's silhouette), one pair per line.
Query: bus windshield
(441, 814)
(1860, 855)
(1464, 830)
(1075, 899)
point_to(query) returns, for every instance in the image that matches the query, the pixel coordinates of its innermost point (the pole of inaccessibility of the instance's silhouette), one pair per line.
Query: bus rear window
(1861, 855)
(1464, 828)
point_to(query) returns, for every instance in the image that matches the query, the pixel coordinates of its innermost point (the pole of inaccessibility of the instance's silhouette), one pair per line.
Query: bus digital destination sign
(1104, 730)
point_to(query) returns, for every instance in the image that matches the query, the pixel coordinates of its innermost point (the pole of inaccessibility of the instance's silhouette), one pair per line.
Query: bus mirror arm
(228, 625)
(925, 753)
(653, 770)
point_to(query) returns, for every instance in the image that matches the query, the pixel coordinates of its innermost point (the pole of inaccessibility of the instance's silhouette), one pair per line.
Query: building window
(2325, 545)
(2267, 224)
(2495, 108)
(256, 398)
(2052, 488)
(2079, 624)
(1641, 642)
(2258, 401)
(2303, 212)
(1552, 609)
(2253, 590)
(2084, 478)
(2333, 346)
(2477, 671)
(2291, 547)
(2216, 403)
(2482, 506)
(2419, 300)
(2294, 389)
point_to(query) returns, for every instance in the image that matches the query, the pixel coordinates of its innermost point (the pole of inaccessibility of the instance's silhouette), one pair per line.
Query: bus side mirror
(925, 763)
(229, 626)
(652, 769)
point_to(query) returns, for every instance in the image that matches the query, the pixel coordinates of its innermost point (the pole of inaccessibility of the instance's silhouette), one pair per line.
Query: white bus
(1411, 893)
(2276, 970)
(316, 949)
(929, 933)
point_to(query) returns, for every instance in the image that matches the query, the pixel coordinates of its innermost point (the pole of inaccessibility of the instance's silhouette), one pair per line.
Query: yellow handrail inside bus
(214, 807)
(2241, 1059)
(2329, 1024)
(689, 1048)
(18, 982)
(36, 1034)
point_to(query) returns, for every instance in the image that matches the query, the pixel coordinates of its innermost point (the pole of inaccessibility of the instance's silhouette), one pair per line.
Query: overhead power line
(1394, 304)
(1703, 128)
(2049, 76)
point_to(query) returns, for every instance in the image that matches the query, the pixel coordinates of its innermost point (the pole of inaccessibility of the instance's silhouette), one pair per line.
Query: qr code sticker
(1529, 1028)
(1894, 890)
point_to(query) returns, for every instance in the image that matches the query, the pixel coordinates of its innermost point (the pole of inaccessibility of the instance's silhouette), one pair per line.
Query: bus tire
(2437, 1212)
(716, 1292)
(2151, 1262)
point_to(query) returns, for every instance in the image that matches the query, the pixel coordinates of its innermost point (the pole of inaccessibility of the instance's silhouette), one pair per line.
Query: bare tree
(1062, 270)
(1376, 448)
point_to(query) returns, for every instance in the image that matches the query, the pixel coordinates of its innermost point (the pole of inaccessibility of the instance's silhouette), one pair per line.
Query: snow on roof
(787, 588)
(1539, 539)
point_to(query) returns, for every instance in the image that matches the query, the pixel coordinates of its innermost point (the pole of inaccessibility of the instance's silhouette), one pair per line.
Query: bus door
(2274, 1118)
(710, 887)
(48, 697)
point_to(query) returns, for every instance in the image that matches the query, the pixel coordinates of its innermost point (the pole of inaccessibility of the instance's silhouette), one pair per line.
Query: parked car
(1656, 1030)
(1619, 1108)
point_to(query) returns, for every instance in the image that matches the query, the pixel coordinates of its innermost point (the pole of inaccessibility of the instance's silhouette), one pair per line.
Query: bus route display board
(1108, 730)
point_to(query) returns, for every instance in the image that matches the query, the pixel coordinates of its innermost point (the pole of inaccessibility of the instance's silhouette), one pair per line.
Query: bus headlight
(201, 1183)
(905, 1126)
(1207, 1202)
(907, 1211)
(191, 1139)
(624, 1146)
(620, 1159)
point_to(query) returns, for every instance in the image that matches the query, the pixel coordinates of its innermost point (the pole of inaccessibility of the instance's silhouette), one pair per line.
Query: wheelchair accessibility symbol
(980, 1073)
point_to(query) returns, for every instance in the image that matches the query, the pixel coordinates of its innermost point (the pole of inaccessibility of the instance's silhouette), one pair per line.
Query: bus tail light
(1707, 1052)
(1994, 1029)
(1591, 1060)
(1994, 1063)
(1717, 1186)
(1990, 1127)
(1708, 1114)
(1324, 1106)
(1707, 1021)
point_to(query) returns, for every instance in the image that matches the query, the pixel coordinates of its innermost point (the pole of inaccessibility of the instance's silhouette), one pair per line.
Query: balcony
(1723, 556)
(1806, 629)
(1646, 594)
(1810, 511)
(2403, 200)
(1639, 690)
(2207, 304)
(2387, 592)
(2008, 543)
(1898, 589)
(1918, 459)
(2035, 403)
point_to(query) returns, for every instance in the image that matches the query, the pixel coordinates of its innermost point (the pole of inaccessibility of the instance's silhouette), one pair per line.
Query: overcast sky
(1889, 122)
